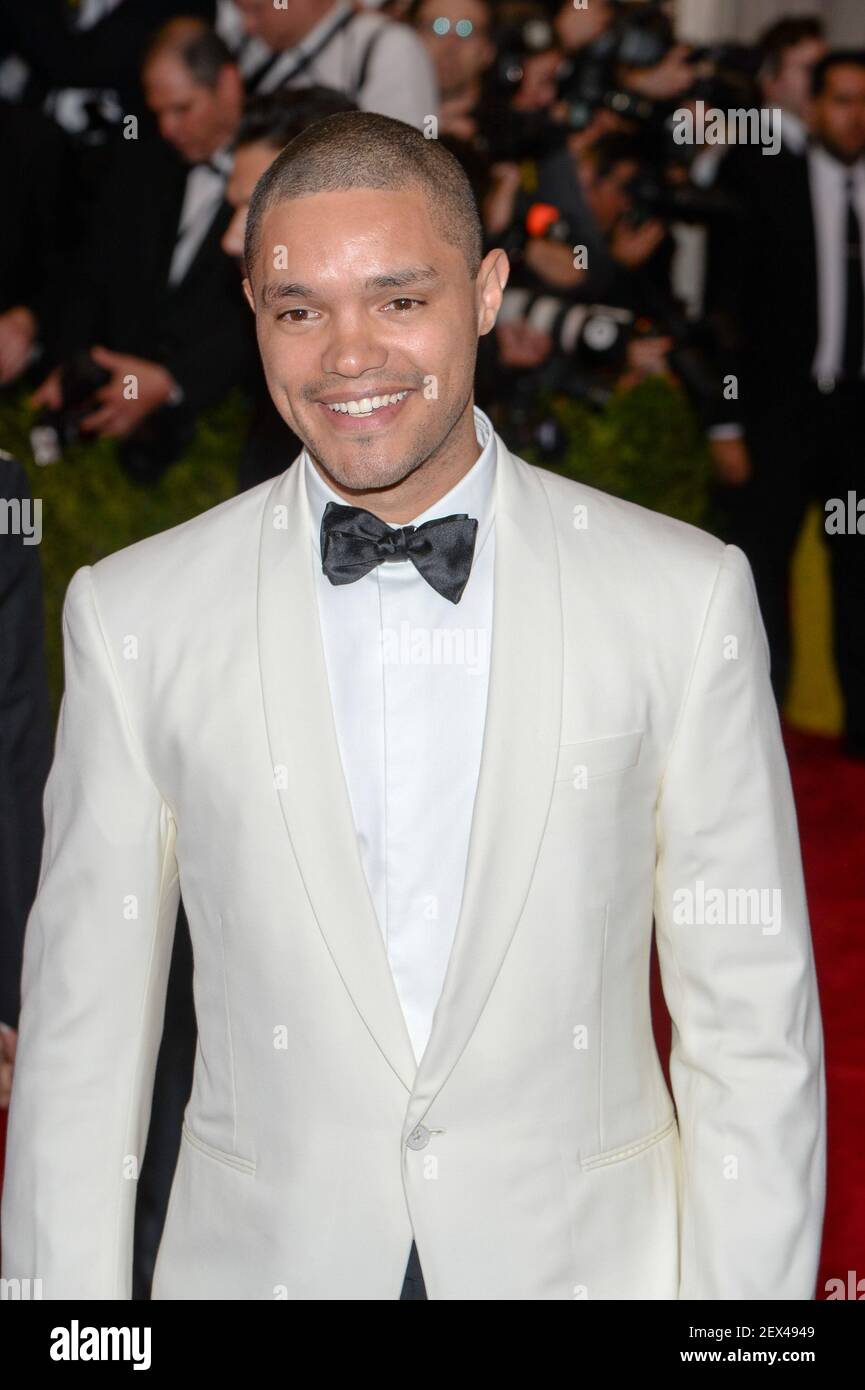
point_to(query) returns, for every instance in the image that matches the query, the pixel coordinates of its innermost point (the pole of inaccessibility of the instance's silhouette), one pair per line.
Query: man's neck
(421, 489)
(222, 145)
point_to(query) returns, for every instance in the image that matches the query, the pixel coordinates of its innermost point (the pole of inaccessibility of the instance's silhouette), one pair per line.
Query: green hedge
(645, 446)
(90, 508)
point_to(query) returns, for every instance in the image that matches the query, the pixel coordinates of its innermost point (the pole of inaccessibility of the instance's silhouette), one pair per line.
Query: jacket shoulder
(196, 555)
(620, 523)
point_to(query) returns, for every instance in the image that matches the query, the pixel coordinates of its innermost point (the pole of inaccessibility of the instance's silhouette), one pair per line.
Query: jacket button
(419, 1137)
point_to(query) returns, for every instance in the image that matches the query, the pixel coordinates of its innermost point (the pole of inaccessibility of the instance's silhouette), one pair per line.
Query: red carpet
(830, 800)
(830, 804)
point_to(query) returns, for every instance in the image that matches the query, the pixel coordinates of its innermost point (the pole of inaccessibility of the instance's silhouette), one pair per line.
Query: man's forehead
(351, 228)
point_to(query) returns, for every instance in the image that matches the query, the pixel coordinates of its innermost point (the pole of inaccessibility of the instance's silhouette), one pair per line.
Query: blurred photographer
(456, 35)
(152, 282)
(574, 318)
(379, 64)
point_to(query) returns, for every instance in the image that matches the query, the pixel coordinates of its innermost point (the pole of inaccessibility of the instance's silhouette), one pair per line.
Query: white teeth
(367, 405)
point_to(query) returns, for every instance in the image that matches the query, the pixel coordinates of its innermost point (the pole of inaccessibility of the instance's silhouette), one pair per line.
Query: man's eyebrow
(394, 279)
(398, 279)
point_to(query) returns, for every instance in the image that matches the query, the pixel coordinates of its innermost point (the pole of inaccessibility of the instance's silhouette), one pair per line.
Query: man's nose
(352, 347)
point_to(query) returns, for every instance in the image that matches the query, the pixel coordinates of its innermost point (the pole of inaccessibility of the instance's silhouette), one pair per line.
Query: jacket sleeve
(737, 968)
(97, 949)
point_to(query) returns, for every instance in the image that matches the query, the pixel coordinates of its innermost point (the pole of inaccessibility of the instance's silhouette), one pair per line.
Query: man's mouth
(365, 414)
(366, 406)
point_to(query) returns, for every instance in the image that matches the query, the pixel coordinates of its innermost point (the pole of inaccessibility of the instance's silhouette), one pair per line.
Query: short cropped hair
(837, 58)
(362, 149)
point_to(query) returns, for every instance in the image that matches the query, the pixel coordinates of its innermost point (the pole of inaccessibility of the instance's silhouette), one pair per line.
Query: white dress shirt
(203, 196)
(400, 80)
(828, 178)
(408, 673)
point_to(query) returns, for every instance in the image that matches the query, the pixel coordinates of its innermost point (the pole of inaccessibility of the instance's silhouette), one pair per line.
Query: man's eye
(403, 300)
(285, 313)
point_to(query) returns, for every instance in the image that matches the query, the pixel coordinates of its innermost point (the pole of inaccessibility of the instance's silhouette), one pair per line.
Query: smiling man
(430, 737)
(375, 369)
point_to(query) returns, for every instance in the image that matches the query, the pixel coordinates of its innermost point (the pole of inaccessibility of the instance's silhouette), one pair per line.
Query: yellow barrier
(814, 701)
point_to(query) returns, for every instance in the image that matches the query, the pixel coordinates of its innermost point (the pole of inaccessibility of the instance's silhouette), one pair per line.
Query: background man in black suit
(154, 298)
(789, 51)
(33, 176)
(792, 287)
(26, 743)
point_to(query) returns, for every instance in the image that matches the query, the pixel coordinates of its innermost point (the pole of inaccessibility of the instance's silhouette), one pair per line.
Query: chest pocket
(598, 757)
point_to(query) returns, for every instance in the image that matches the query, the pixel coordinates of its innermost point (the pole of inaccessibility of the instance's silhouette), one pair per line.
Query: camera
(55, 430)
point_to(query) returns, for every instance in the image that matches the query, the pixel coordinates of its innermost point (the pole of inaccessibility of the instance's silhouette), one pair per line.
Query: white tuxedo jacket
(632, 769)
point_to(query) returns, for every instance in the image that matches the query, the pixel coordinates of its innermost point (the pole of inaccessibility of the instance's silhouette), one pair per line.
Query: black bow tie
(354, 541)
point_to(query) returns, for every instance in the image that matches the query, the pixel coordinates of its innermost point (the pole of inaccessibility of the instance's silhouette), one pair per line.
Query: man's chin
(371, 475)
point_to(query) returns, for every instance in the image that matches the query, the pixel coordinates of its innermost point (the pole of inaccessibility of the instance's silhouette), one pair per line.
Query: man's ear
(492, 278)
(247, 290)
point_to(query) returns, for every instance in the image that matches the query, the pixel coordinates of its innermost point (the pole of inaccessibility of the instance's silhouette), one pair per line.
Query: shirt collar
(825, 160)
(473, 493)
(223, 159)
(219, 163)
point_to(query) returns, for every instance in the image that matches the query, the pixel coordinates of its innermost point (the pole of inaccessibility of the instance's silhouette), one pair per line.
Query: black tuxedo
(26, 739)
(762, 276)
(201, 329)
(804, 441)
(33, 171)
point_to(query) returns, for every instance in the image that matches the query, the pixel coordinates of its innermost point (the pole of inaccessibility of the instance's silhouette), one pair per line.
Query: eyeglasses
(463, 28)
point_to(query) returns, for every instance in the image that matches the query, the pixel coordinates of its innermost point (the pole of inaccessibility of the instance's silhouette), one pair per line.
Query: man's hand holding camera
(136, 388)
(633, 246)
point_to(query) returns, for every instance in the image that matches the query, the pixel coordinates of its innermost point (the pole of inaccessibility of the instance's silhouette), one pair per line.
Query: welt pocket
(599, 756)
(629, 1150)
(243, 1165)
